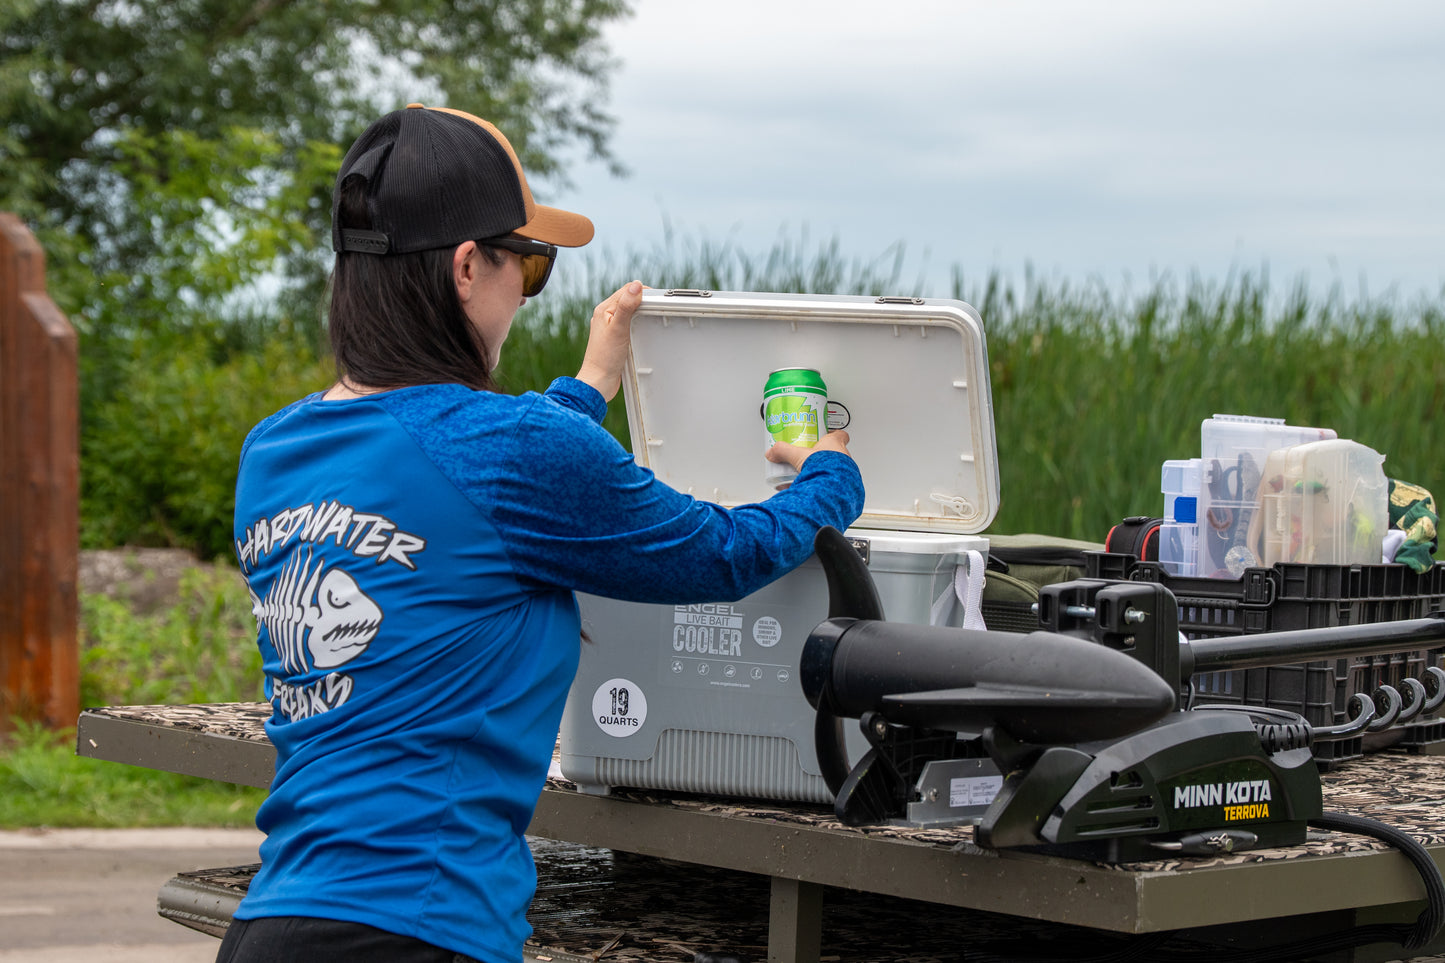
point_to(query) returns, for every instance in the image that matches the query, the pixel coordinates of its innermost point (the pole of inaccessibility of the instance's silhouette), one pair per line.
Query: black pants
(308, 940)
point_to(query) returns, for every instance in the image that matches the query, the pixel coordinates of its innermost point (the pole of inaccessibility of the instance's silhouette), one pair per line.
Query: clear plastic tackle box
(705, 697)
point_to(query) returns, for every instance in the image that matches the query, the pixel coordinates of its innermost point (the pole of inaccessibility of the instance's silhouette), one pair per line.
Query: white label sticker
(973, 790)
(619, 708)
(767, 631)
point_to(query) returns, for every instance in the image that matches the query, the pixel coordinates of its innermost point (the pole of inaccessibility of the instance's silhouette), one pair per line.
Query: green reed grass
(1093, 387)
(1092, 391)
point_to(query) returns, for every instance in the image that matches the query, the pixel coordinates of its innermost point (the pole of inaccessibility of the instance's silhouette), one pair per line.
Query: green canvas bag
(1018, 566)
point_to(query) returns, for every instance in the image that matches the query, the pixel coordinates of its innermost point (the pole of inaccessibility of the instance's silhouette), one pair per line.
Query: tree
(170, 154)
(151, 141)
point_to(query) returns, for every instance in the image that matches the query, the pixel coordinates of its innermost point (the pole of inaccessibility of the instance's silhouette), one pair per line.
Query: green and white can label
(795, 410)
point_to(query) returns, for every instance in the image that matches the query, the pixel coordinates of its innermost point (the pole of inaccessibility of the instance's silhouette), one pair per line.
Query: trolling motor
(1072, 739)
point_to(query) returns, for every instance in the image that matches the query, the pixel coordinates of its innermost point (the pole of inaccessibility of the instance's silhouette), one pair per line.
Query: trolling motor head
(914, 688)
(1055, 689)
(1040, 688)
(1088, 748)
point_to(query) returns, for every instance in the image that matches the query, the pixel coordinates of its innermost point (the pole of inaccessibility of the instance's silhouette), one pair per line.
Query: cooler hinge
(860, 545)
(687, 293)
(898, 300)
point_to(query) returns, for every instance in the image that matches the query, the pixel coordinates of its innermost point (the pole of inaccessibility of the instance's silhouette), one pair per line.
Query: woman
(412, 539)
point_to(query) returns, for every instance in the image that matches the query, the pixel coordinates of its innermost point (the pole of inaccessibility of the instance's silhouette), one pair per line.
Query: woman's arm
(575, 510)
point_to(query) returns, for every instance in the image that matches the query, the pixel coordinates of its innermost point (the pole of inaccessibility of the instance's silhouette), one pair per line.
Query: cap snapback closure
(364, 242)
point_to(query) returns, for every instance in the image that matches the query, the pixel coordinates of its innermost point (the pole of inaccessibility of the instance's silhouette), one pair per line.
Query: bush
(159, 456)
(200, 649)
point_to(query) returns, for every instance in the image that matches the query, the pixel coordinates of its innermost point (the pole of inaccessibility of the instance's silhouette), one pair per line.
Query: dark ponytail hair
(395, 319)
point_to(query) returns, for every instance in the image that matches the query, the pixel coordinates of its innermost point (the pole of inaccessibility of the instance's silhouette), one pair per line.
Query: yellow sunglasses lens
(535, 269)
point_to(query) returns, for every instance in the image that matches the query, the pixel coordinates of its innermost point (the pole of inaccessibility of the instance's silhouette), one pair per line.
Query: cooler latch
(957, 504)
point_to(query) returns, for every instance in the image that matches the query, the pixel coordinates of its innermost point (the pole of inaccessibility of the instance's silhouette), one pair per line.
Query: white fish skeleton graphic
(323, 612)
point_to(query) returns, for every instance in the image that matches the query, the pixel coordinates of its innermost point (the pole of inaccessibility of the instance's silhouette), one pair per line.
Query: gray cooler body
(705, 697)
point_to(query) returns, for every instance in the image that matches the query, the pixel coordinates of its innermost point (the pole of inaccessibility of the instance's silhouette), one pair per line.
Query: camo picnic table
(656, 876)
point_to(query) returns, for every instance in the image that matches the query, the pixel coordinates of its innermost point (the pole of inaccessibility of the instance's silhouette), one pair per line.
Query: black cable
(1427, 924)
(1410, 936)
(1288, 730)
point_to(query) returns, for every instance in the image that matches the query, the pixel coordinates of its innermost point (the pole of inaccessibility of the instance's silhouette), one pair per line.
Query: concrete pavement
(89, 895)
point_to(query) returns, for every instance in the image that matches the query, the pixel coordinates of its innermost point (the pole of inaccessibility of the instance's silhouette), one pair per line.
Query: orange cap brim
(556, 226)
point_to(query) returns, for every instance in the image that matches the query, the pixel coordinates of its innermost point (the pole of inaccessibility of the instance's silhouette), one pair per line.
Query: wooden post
(39, 492)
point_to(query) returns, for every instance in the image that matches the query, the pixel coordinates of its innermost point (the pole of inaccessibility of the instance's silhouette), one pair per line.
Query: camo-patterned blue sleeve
(607, 526)
(575, 510)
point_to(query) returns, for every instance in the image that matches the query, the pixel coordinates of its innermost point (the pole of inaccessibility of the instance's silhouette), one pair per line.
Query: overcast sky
(1107, 140)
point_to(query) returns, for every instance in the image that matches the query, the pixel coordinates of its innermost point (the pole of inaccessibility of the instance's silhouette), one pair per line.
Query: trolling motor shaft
(1330, 642)
(1141, 618)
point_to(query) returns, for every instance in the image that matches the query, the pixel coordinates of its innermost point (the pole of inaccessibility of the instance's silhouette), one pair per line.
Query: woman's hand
(794, 456)
(609, 339)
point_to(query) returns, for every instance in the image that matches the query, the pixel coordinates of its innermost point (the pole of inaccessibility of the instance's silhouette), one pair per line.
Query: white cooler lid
(912, 373)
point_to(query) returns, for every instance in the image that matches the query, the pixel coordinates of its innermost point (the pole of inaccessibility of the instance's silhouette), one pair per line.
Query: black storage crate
(1291, 596)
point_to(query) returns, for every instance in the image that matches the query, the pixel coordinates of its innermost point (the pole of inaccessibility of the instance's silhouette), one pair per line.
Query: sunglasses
(537, 258)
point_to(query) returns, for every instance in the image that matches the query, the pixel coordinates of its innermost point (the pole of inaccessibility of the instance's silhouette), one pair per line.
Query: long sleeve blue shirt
(411, 557)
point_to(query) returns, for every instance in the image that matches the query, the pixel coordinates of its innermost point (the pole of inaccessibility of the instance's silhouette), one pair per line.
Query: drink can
(795, 410)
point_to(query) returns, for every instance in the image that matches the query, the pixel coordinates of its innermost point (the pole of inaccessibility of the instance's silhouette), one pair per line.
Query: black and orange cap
(437, 177)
